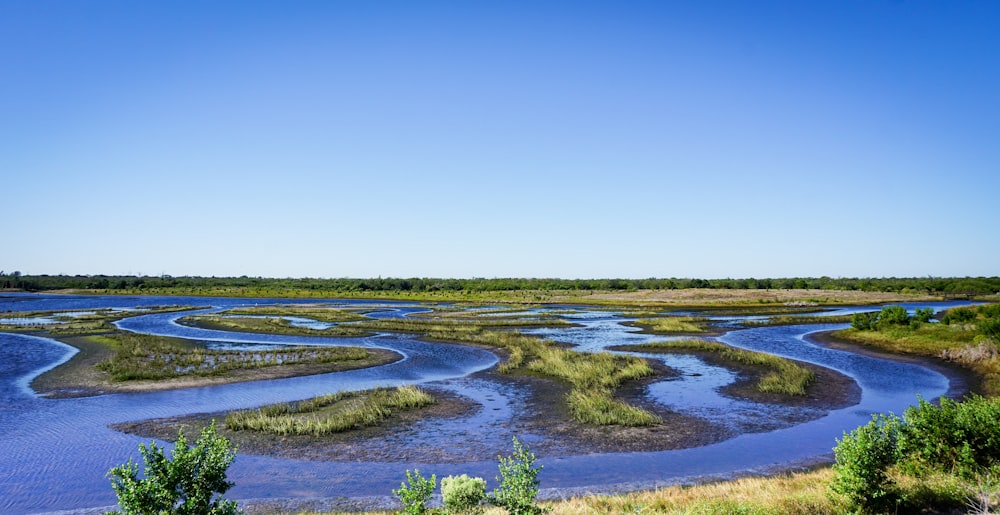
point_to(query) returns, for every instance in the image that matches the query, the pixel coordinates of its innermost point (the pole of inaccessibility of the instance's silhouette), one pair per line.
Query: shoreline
(961, 381)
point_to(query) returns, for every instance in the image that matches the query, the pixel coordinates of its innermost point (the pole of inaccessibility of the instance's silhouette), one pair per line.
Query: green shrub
(184, 486)
(863, 458)
(864, 321)
(518, 482)
(962, 438)
(893, 315)
(989, 328)
(463, 494)
(959, 315)
(989, 310)
(417, 493)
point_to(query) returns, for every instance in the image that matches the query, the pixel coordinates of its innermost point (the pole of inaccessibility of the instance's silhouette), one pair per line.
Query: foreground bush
(956, 441)
(863, 460)
(185, 485)
(463, 494)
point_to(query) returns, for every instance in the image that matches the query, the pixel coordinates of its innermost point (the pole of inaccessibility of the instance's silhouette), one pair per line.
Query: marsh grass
(269, 325)
(593, 376)
(320, 313)
(797, 320)
(145, 357)
(327, 414)
(786, 377)
(672, 324)
(598, 407)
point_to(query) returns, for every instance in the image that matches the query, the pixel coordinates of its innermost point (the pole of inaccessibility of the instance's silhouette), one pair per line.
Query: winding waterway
(54, 454)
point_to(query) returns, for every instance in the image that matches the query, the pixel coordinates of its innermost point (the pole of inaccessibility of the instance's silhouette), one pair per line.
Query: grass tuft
(334, 413)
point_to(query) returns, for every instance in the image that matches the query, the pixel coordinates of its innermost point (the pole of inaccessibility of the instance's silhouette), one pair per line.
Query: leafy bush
(990, 310)
(893, 315)
(518, 482)
(962, 438)
(864, 321)
(989, 328)
(959, 315)
(924, 315)
(184, 486)
(957, 438)
(863, 460)
(417, 493)
(463, 494)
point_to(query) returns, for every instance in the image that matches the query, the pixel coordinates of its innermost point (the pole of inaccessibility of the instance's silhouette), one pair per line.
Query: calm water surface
(54, 454)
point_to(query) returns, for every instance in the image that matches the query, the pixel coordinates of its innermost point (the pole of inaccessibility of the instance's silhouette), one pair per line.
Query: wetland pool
(54, 454)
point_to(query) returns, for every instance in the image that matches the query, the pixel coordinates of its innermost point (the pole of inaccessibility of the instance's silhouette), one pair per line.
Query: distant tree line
(930, 285)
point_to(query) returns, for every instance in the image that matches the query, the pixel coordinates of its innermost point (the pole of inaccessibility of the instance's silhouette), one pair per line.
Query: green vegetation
(415, 492)
(339, 287)
(968, 336)
(593, 376)
(955, 444)
(316, 312)
(141, 356)
(328, 414)
(269, 325)
(516, 492)
(786, 377)
(185, 485)
(672, 324)
(518, 482)
(463, 494)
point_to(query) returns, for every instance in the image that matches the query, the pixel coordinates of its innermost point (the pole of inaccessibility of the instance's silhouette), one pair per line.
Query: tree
(184, 486)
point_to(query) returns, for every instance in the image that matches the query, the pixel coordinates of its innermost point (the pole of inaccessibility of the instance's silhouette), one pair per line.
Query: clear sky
(577, 139)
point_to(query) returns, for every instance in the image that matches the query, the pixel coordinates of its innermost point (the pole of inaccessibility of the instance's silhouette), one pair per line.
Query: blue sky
(575, 139)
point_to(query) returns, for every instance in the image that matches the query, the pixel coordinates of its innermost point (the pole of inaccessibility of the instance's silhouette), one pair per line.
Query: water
(54, 454)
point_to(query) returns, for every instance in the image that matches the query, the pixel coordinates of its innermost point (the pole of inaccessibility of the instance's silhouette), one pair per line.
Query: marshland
(632, 396)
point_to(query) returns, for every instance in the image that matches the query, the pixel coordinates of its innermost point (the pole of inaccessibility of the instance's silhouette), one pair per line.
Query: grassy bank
(786, 377)
(148, 357)
(672, 325)
(328, 414)
(965, 336)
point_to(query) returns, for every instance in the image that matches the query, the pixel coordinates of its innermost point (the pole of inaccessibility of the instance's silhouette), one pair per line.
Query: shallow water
(55, 453)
